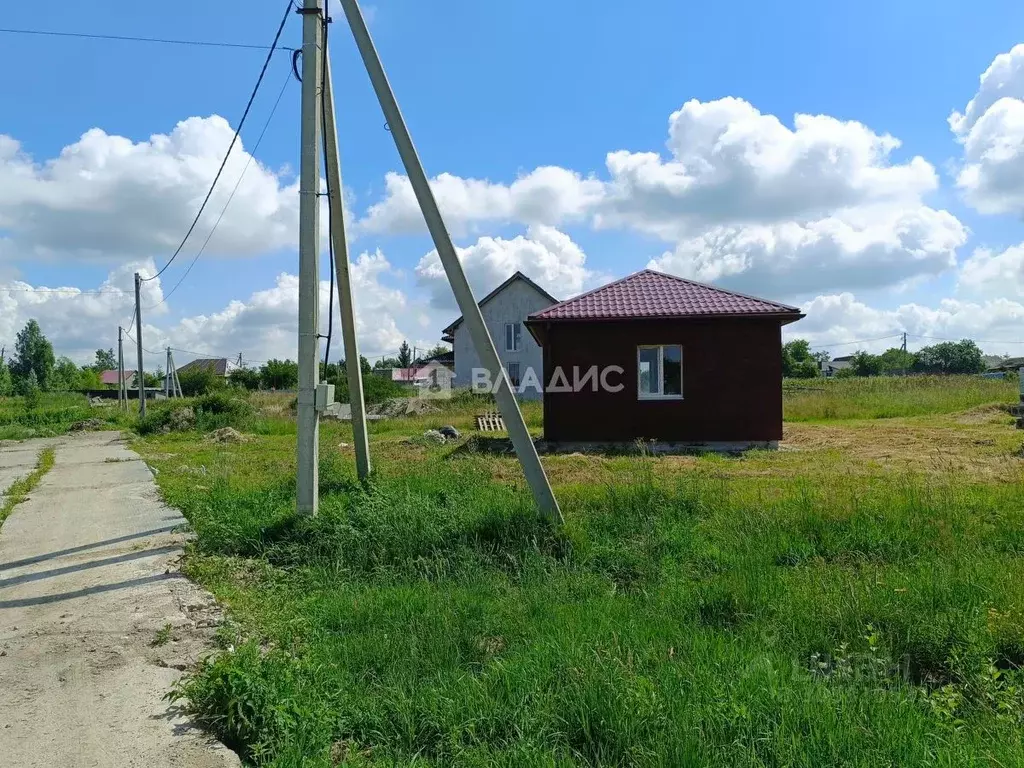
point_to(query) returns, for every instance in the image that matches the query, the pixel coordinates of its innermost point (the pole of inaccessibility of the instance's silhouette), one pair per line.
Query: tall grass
(433, 620)
(883, 397)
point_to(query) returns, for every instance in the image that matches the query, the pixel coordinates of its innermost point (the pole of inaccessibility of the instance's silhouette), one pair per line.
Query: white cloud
(545, 255)
(870, 248)
(731, 164)
(546, 195)
(835, 318)
(78, 321)
(107, 197)
(266, 324)
(991, 129)
(993, 273)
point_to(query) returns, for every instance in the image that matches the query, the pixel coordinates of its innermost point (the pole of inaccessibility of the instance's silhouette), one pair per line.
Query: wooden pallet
(490, 422)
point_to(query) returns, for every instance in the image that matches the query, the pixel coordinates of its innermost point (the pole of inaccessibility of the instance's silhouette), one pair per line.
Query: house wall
(732, 382)
(515, 303)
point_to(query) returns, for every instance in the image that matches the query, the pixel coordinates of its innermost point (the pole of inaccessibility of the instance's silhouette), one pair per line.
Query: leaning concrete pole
(353, 368)
(514, 422)
(309, 262)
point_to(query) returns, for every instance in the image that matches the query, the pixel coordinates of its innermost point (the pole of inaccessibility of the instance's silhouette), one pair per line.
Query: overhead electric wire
(976, 341)
(137, 39)
(858, 341)
(248, 162)
(231, 146)
(147, 351)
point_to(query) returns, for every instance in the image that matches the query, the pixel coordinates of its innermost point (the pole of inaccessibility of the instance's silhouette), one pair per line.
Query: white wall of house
(513, 305)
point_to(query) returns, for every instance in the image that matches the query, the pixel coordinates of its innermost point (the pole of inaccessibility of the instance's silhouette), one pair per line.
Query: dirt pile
(227, 435)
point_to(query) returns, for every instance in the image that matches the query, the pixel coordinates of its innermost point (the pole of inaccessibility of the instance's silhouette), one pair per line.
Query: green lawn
(856, 598)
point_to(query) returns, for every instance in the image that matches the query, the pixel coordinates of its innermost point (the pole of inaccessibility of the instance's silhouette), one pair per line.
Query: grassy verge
(819, 606)
(20, 488)
(53, 414)
(884, 397)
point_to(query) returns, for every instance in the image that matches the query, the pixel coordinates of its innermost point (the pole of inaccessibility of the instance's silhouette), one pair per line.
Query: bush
(198, 381)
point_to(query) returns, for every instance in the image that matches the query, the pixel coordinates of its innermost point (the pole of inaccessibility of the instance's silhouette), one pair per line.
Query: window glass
(672, 370)
(650, 376)
(513, 374)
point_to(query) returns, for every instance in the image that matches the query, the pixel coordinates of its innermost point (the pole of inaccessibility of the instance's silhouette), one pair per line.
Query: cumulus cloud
(545, 255)
(994, 273)
(868, 249)
(836, 318)
(546, 195)
(732, 164)
(991, 129)
(266, 324)
(78, 320)
(107, 197)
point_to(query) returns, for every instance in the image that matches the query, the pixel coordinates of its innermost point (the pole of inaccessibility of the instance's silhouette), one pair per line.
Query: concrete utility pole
(122, 395)
(172, 371)
(309, 261)
(353, 363)
(513, 417)
(167, 372)
(140, 378)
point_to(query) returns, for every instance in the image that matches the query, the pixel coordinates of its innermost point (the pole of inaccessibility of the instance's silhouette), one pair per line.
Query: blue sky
(493, 91)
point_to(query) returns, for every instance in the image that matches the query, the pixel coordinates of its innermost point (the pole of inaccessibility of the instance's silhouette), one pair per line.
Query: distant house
(109, 378)
(432, 374)
(505, 310)
(836, 364)
(673, 360)
(219, 366)
(1004, 364)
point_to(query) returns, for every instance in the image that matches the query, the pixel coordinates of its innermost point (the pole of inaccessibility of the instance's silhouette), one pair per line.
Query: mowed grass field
(855, 598)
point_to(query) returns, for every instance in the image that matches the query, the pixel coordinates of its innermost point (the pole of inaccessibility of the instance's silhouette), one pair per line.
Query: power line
(211, 355)
(976, 341)
(234, 140)
(859, 341)
(71, 291)
(132, 340)
(137, 39)
(248, 162)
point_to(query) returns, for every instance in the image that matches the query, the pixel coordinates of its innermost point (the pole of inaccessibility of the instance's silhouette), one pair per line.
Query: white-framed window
(513, 373)
(659, 370)
(513, 337)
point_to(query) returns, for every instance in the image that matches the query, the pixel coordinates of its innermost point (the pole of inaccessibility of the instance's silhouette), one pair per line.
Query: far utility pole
(543, 496)
(140, 377)
(122, 395)
(167, 374)
(308, 418)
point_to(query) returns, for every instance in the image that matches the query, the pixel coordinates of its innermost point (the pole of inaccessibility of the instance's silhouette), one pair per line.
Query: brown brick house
(683, 362)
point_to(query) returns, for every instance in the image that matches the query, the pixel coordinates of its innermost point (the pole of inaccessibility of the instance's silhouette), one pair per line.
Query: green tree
(865, 364)
(797, 361)
(386, 362)
(279, 374)
(6, 385)
(962, 356)
(245, 378)
(28, 387)
(895, 360)
(197, 380)
(436, 350)
(66, 376)
(89, 378)
(105, 360)
(33, 353)
(404, 355)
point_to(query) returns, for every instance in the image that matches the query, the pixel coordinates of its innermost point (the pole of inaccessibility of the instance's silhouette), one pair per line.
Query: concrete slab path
(88, 577)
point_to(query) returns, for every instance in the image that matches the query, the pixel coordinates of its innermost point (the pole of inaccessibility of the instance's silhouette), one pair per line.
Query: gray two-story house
(505, 309)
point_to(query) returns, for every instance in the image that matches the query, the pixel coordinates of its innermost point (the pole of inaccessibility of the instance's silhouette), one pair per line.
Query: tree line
(947, 357)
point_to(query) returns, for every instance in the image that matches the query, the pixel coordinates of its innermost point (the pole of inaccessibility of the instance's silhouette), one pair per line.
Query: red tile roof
(110, 377)
(650, 294)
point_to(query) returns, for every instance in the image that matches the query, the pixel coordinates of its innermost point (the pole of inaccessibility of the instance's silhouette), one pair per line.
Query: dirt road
(88, 580)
